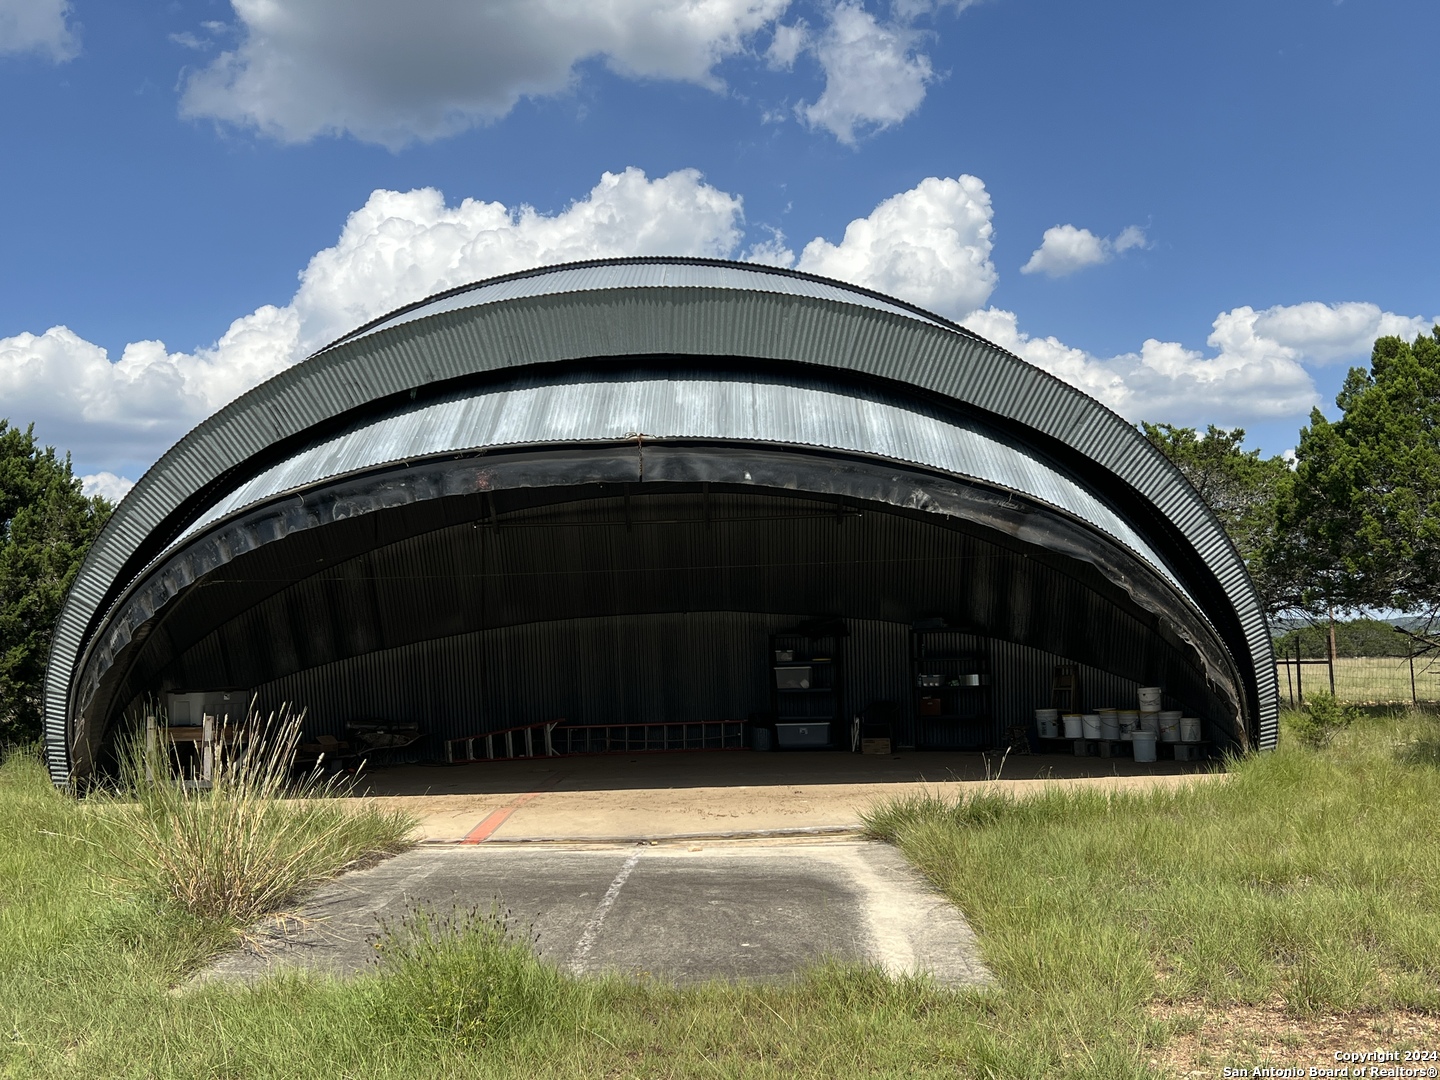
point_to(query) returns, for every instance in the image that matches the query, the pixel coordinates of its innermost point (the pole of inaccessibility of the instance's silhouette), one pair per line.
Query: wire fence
(1362, 680)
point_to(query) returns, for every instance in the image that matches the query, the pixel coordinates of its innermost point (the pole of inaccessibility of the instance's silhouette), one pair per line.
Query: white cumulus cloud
(119, 413)
(1164, 381)
(391, 73)
(786, 45)
(404, 246)
(874, 76)
(107, 485)
(398, 247)
(1256, 370)
(1329, 332)
(1065, 249)
(929, 245)
(41, 26)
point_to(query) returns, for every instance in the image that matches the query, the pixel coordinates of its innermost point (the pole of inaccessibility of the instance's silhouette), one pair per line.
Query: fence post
(1289, 683)
(1414, 700)
(1299, 667)
(1330, 652)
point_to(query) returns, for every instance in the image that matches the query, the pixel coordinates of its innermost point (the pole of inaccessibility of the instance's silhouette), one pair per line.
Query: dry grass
(252, 841)
(1365, 680)
(1206, 1040)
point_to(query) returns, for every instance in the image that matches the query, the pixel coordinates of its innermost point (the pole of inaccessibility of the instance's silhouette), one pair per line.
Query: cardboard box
(929, 706)
(874, 746)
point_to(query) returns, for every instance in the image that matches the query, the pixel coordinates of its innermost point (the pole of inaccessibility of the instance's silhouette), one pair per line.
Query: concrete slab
(619, 797)
(679, 912)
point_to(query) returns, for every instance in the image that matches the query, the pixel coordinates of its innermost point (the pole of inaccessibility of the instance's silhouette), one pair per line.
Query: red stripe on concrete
(486, 828)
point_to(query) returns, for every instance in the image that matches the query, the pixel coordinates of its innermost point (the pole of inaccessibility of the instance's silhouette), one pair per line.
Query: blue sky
(1198, 212)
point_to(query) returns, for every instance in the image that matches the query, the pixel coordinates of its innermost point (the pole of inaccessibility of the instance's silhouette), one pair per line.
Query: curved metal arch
(699, 318)
(343, 502)
(662, 404)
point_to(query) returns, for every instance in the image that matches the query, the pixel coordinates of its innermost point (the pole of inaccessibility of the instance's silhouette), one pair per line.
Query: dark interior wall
(655, 604)
(638, 669)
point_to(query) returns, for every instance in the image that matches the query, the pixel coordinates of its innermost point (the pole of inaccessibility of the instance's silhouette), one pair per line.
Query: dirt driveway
(668, 796)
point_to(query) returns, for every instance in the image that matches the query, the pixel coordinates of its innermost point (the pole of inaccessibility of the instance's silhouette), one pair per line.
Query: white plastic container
(1091, 725)
(1073, 726)
(1150, 698)
(1144, 745)
(1149, 721)
(1129, 720)
(1048, 723)
(1109, 725)
(1169, 726)
(1190, 729)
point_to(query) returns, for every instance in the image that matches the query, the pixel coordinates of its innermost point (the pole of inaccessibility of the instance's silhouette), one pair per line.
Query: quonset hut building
(595, 491)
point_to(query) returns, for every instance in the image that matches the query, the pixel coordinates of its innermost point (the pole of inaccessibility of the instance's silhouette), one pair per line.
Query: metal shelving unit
(806, 689)
(951, 693)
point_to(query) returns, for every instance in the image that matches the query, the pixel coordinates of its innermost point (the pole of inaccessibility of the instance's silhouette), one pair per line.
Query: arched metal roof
(700, 312)
(685, 405)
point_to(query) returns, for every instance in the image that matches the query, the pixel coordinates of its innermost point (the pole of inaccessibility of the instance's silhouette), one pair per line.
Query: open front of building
(691, 500)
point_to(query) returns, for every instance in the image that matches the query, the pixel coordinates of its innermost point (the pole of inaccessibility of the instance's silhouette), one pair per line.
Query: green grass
(1366, 680)
(1307, 879)
(251, 842)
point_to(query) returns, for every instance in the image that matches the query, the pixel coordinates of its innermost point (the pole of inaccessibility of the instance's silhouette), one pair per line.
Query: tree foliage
(1239, 485)
(1358, 522)
(46, 526)
(1353, 637)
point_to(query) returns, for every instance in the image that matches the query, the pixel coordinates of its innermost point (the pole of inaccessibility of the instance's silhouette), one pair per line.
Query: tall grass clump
(465, 977)
(1305, 879)
(251, 841)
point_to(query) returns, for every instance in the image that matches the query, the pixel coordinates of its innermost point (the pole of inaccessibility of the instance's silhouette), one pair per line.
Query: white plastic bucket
(1092, 725)
(1073, 726)
(1150, 697)
(1129, 720)
(1150, 722)
(1144, 745)
(1109, 725)
(1169, 728)
(1190, 729)
(1048, 723)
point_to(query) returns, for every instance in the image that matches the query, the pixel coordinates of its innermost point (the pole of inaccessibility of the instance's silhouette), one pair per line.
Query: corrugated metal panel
(377, 634)
(649, 275)
(659, 320)
(686, 405)
(649, 668)
(635, 669)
